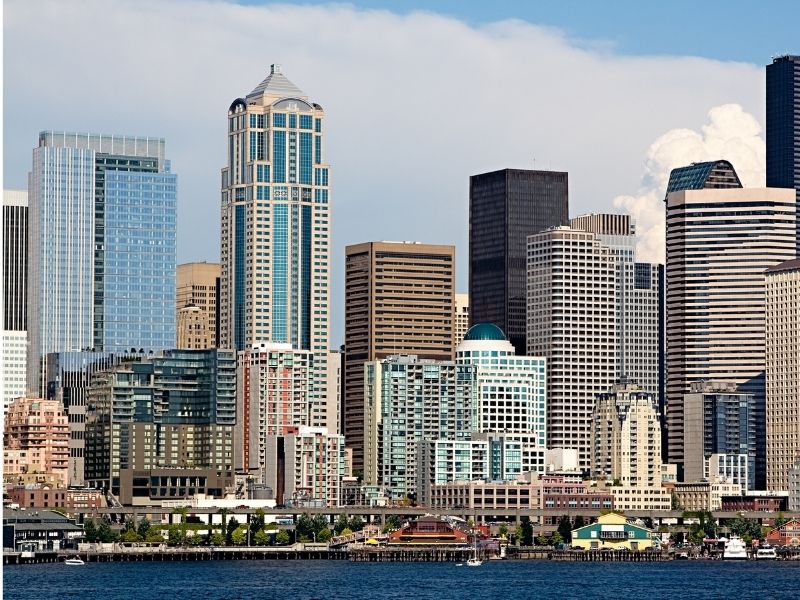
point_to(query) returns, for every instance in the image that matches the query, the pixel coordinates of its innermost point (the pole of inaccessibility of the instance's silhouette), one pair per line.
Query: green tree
(503, 531)
(217, 539)
(90, 529)
(224, 512)
(261, 538)
(304, 528)
(324, 536)
(579, 522)
(346, 531)
(392, 523)
(282, 538)
(239, 535)
(556, 539)
(518, 535)
(747, 529)
(780, 519)
(357, 523)
(318, 524)
(541, 540)
(256, 522)
(130, 536)
(154, 535)
(232, 525)
(565, 529)
(340, 524)
(175, 536)
(143, 528)
(704, 525)
(526, 538)
(105, 533)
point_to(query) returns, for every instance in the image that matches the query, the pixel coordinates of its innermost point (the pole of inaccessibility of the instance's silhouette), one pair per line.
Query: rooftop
(789, 265)
(703, 175)
(485, 331)
(276, 84)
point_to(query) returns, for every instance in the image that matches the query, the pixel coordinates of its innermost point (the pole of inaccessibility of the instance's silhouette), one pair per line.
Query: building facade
(197, 286)
(174, 412)
(102, 246)
(783, 371)
(15, 279)
(408, 400)
(505, 207)
(460, 318)
(720, 240)
(398, 299)
(719, 420)
(783, 126)
(37, 436)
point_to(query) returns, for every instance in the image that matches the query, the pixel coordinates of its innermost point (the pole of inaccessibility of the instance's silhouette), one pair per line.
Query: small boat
(766, 553)
(74, 560)
(734, 549)
(474, 562)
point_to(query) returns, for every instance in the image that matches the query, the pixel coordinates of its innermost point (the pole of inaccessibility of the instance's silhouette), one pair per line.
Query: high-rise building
(275, 221)
(35, 439)
(15, 276)
(274, 393)
(398, 299)
(783, 372)
(102, 246)
(720, 240)
(783, 126)
(626, 437)
(328, 415)
(197, 285)
(511, 389)
(162, 428)
(505, 207)
(719, 421)
(461, 318)
(406, 401)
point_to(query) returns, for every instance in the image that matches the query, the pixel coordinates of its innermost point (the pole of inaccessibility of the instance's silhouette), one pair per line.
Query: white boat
(73, 560)
(735, 549)
(474, 561)
(766, 553)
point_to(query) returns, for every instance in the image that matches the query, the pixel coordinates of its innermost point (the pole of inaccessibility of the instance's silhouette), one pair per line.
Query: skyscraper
(15, 275)
(461, 318)
(505, 207)
(196, 302)
(102, 246)
(783, 126)
(720, 240)
(398, 299)
(275, 221)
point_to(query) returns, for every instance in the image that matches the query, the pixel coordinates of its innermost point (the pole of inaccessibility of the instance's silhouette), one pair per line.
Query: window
(279, 120)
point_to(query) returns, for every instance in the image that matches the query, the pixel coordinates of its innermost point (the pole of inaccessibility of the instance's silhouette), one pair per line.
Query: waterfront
(509, 580)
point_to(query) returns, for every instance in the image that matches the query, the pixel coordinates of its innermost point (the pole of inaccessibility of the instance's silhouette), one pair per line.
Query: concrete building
(35, 439)
(15, 280)
(626, 437)
(794, 487)
(275, 231)
(306, 467)
(553, 492)
(719, 420)
(197, 286)
(511, 389)
(717, 252)
(505, 207)
(783, 126)
(163, 427)
(703, 495)
(460, 318)
(398, 300)
(43, 496)
(102, 247)
(408, 400)
(274, 398)
(471, 495)
(329, 414)
(783, 371)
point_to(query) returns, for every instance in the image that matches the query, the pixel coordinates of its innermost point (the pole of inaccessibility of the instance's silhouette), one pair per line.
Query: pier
(607, 556)
(410, 554)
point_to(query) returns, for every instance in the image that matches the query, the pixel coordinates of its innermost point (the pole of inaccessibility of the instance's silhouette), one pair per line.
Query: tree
(90, 529)
(526, 537)
(232, 525)
(340, 525)
(518, 535)
(324, 535)
(357, 523)
(503, 531)
(704, 525)
(256, 522)
(556, 539)
(780, 519)
(282, 538)
(541, 540)
(105, 533)
(747, 529)
(239, 535)
(346, 531)
(224, 512)
(565, 529)
(130, 536)
(319, 523)
(217, 539)
(261, 538)
(143, 528)
(392, 523)
(579, 522)
(304, 528)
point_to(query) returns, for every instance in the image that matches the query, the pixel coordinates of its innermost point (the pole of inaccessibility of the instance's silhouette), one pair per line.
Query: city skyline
(408, 84)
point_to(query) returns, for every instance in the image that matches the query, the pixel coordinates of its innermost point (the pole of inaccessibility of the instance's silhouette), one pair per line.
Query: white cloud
(730, 134)
(415, 103)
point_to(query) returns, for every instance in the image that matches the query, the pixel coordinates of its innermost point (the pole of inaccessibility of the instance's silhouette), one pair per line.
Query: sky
(418, 97)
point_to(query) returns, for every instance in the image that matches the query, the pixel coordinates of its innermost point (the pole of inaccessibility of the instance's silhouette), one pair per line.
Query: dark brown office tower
(505, 207)
(398, 300)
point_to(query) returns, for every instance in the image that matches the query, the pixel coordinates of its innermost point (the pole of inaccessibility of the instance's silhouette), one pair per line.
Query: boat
(766, 553)
(734, 549)
(474, 561)
(74, 560)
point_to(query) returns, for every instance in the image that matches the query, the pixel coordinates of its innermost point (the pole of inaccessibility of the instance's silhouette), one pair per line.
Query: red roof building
(787, 534)
(428, 531)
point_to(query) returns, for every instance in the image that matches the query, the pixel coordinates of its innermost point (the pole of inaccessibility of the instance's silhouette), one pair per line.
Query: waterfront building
(45, 496)
(787, 534)
(15, 277)
(305, 467)
(783, 126)
(719, 422)
(703, 495)
(398, 300)
(197, 286)
(429, 531)
(720, 240)
(511, 389)
(67, 379)
(783, 371)
(484, 495)
(39, 531)
(274, 398)
(102, 246)
(408, 400)
(505, 207)
(613, 531)
(276, 212)
(35, 439)
(626, 437)
(163, 427)
(460, 318)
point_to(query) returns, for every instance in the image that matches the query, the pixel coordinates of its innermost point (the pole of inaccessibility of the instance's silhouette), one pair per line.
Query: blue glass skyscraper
(102, 247)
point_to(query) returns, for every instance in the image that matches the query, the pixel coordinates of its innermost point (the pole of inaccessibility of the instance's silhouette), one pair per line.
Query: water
(496, 580)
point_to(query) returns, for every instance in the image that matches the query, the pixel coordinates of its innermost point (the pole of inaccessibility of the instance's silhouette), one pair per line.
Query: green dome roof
(484, 331)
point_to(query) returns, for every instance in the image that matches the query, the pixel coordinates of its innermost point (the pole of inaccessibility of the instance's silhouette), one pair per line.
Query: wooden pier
(410, 554)
(607, 556)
